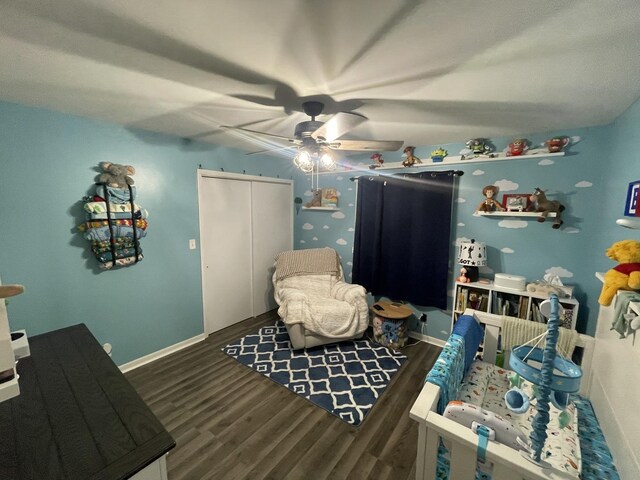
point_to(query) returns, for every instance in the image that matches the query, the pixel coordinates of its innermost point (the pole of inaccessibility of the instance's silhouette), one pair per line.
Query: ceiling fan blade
(273, 150)
(366, 145)
(290, 140)
(337, 126)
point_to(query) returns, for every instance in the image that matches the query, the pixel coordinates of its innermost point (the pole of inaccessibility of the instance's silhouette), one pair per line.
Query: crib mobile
(114, 223)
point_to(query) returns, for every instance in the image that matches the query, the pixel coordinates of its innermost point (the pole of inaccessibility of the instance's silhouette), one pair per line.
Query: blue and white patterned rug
(344, 378)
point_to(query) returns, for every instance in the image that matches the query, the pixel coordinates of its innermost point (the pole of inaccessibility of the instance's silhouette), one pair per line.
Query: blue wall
(48, 162)
(590, 180)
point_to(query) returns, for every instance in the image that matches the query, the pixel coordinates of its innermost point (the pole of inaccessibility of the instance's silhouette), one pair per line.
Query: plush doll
(115, 175)
(410, 159)
(377, 161)
(316, 200)
(540, 204)
(518, 147)
(489, 204)
(626, 275)
(463, 278)
(556, 144)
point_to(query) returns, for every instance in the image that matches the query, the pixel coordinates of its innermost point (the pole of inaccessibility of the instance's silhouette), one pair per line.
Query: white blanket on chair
(317, 302)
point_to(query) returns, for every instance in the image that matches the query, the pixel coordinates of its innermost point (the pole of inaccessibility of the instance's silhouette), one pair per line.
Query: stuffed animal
(410, 159)
(556, 144)
(316, 201)
(463, 278)
(116, 176)
(518, 147)
(477, 147)
(545, 207)
(489, 204)
(377, 161)
(438, 154)
(626, 275)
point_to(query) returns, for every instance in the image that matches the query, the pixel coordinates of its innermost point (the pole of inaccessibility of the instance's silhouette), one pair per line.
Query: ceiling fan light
(303, 161)
(327, 161)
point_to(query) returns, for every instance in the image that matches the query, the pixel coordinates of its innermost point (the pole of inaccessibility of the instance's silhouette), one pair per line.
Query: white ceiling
(425, 72)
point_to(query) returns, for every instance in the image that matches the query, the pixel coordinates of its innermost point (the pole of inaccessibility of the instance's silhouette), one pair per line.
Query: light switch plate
(192, 244)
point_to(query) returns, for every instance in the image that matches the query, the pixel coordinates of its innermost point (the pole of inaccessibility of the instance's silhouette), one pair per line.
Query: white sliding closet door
(245, 221)
(272, 217)
(225, 242)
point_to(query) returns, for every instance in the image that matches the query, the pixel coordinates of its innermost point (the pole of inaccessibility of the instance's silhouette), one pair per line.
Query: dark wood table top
(77, 416)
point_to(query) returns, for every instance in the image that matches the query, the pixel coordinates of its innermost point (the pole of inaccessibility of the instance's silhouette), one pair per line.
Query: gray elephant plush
(115, 175)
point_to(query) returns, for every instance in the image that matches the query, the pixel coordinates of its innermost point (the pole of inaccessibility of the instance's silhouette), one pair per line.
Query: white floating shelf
(540, 153)
(334, 209)
(629, 222)
(513, 214)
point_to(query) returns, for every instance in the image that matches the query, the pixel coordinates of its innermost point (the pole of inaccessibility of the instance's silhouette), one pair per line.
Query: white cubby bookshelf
(505, 301)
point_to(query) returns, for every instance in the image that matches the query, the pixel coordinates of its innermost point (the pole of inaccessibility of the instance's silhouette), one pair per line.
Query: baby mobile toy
(554, 378)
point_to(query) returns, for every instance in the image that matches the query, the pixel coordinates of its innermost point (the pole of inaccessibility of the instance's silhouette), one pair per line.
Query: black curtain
(401, 247)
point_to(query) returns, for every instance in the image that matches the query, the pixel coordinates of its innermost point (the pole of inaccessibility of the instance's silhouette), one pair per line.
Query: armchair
(315, 304)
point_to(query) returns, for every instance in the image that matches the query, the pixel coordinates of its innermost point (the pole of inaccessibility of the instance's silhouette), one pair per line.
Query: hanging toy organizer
(115, 224)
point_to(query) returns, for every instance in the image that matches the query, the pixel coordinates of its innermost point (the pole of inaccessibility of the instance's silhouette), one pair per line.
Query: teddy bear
(316, 200)
(626, 275)
(116, 175)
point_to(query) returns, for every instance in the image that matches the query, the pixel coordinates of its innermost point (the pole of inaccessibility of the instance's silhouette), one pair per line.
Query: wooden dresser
(77, 416)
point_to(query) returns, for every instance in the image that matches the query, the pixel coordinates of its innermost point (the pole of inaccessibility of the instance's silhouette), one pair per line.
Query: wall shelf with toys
(451, 160)
(459, 159)
(513, 214)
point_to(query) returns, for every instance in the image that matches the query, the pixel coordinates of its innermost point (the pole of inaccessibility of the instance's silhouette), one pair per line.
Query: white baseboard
(427, 339)
(161, 353)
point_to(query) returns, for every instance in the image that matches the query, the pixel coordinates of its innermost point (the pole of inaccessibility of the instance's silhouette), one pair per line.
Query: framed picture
(631, 206)
(329, 197)
(515, 202)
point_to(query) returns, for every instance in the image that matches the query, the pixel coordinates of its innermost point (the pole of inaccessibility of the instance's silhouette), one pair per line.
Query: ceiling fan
(315, 140)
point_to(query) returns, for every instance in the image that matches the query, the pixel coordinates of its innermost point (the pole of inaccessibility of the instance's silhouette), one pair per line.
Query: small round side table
(389, 327)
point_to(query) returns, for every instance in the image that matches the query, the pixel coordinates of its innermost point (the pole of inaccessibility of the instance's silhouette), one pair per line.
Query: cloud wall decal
(307, 226)
(513, 224)
(559, 271)
(506, 185)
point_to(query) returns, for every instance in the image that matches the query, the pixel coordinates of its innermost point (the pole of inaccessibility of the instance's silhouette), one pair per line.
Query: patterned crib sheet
(485, 385)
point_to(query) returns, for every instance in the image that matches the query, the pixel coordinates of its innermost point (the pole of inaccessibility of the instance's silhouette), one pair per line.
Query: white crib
(508, 464)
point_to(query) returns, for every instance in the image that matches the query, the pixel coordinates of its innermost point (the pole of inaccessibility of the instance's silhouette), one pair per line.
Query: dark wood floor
(230, 422)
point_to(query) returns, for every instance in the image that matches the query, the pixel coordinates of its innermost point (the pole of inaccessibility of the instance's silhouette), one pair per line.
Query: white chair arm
(348, 292)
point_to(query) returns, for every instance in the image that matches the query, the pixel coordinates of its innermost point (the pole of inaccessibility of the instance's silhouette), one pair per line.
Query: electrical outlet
(423, 318)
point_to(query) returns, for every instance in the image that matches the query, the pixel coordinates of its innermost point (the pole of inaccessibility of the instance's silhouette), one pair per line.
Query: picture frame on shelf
(516, 202)
(329, 198)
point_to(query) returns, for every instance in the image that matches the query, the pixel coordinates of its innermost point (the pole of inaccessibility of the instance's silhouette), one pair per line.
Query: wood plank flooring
(230, 422)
